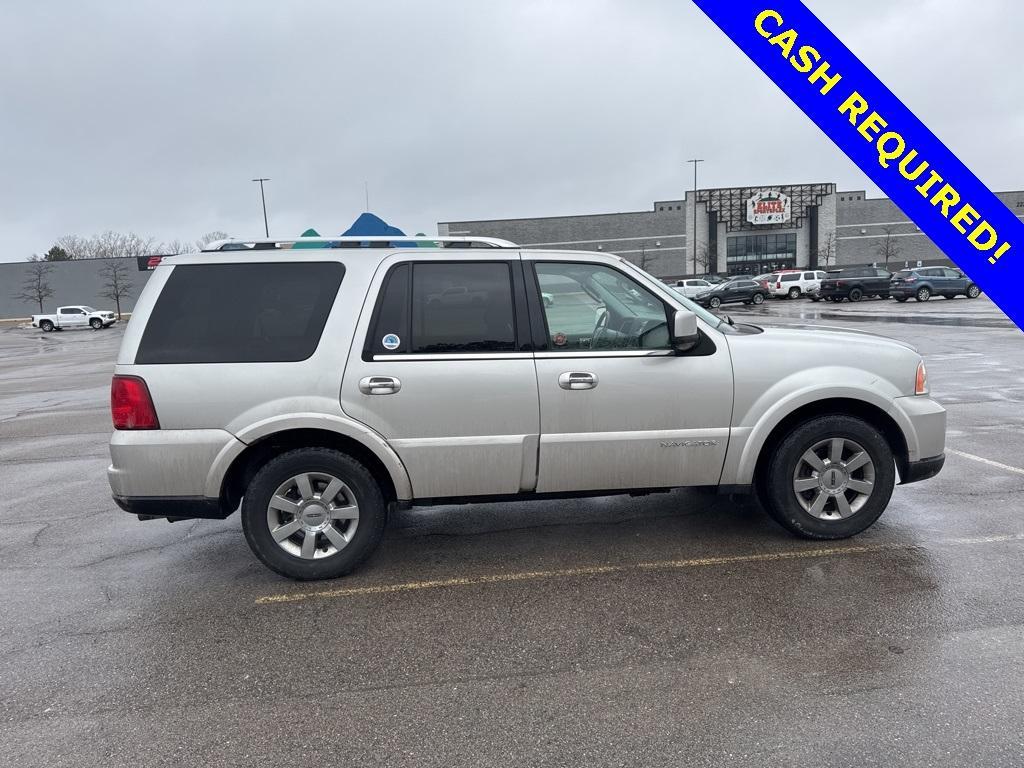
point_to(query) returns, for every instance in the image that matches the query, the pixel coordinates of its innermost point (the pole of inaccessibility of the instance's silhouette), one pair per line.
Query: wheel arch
(240, 461)
(833, 406)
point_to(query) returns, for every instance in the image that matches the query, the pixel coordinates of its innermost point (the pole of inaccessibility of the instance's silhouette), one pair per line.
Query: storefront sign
(768, 207)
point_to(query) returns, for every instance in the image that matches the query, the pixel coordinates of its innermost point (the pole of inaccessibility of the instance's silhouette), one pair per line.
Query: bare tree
(827, 250)
(36, 287)
(176, 246)
(888, 248)
(704, 258)
(107, 245)
(647, 258)
(116, 285)
(75, 246)
(209, 237)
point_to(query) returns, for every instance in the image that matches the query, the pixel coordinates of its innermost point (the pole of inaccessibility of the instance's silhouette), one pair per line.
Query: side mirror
(684, 331)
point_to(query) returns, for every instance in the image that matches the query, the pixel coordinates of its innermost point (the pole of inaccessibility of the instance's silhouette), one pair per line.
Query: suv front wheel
(829, 478)
(313, 513)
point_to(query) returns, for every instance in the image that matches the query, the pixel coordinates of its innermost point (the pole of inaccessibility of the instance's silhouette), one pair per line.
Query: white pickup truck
(78, 316)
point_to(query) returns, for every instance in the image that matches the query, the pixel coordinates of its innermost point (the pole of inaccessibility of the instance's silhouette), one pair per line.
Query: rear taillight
(840, 282)
(778, 284)
(131, 407)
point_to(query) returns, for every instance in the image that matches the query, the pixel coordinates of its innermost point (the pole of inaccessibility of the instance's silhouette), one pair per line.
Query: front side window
(445, 308)
(599, 308)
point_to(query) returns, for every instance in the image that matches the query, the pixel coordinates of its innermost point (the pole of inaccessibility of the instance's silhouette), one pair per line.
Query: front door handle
(577, 380)
(379, 385)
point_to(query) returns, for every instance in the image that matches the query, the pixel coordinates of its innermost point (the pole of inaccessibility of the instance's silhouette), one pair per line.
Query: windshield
(652, 282)
(88, 309)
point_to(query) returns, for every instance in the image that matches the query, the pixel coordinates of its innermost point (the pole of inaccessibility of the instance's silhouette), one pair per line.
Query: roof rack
(357, 241)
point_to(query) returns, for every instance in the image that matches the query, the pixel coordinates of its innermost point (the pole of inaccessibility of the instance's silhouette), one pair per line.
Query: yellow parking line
(595, 570)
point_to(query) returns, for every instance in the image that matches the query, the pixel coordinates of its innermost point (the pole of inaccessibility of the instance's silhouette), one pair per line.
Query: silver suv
(317, 384)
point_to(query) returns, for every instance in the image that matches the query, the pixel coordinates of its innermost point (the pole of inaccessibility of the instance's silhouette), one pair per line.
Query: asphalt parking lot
(679, 629)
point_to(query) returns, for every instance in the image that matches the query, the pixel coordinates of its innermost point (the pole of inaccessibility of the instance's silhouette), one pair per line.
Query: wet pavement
(678, 629)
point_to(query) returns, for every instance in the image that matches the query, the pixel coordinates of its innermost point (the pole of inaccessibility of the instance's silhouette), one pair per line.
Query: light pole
(263, 197)
(695, 161)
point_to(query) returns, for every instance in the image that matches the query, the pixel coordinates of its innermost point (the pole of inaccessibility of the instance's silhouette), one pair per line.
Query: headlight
(921, 380)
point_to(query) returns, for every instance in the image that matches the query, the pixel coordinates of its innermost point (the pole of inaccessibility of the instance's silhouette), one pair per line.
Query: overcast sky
(153, 116)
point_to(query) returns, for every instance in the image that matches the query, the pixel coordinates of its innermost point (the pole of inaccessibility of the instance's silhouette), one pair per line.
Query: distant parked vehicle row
(77, 316)
(851, 283)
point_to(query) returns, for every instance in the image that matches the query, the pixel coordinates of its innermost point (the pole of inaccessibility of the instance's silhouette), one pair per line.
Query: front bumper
(923, 422)
(922, 470)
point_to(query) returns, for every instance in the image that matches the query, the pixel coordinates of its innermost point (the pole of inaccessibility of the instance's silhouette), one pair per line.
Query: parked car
(690, 288)
(792, 284)
(75, 316)
(924, 282)
(747, 291)
(854, 283)
(317, 393)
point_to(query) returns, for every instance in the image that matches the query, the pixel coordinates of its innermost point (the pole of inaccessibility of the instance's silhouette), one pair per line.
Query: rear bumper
(172, 507)
(166, 463)
(922, 470)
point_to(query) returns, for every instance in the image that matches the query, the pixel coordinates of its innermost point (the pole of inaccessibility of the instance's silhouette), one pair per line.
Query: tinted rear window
(903, 273)
(791, 278)
(240, 313)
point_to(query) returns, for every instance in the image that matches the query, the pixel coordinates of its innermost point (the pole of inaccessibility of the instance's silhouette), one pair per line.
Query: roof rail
(356, 241)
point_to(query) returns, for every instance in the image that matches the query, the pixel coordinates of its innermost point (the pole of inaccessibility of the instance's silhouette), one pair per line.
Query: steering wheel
(599, 328)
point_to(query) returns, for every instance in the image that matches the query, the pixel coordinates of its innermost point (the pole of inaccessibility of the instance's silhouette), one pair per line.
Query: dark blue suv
(924, 282)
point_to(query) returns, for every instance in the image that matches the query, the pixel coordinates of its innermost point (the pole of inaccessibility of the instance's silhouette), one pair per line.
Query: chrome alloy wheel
(834, 479)
(313, 515)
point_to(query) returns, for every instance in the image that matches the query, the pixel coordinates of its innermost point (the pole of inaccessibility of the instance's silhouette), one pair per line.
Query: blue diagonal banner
(811, 65)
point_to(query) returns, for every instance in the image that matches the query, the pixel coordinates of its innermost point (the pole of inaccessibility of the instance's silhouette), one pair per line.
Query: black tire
(776, 486)
(923, 293)
(714, 302)
(45, 326)
(757, 298)
(95, 323)
(856, 294)
(973, 291)
(794, 293)
(901, 299)
(368, 533)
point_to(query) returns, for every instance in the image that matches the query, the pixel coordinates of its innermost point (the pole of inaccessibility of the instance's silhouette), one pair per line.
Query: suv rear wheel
(856, 294)
(829, 478)
(794, 293)
(923, 293)
(313, 513)
(973, 291)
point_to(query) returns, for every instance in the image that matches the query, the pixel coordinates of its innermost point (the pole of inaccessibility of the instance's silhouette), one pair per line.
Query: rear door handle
(577, 380)
(379, 385)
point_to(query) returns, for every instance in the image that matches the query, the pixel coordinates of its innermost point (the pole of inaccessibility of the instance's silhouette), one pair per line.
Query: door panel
(644, 417)
(464, 423)
(650, 422)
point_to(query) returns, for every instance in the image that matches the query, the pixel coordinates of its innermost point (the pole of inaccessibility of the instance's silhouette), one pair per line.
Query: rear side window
(445, 308)
(240, 313)
(789, 278)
